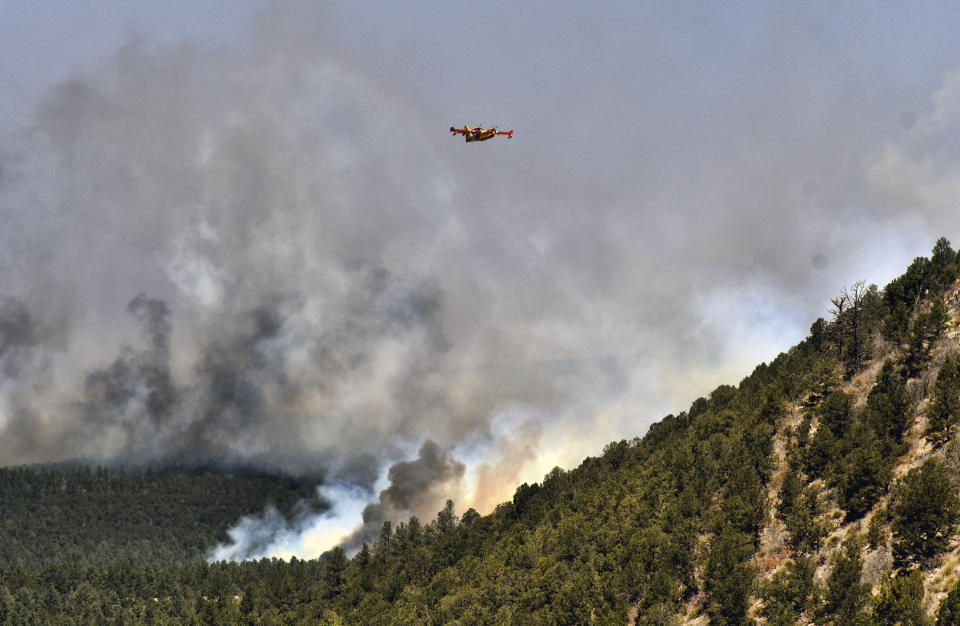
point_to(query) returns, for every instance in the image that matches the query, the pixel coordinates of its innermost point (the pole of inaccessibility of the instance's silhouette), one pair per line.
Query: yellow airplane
(478, 133)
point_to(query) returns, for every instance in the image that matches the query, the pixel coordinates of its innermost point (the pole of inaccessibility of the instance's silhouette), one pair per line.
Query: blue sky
(688, 186)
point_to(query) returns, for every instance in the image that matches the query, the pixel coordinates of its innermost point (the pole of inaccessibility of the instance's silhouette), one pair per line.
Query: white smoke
(271, 535)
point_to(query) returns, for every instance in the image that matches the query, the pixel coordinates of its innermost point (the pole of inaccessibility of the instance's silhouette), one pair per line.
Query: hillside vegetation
(95, 516)
(821, 489)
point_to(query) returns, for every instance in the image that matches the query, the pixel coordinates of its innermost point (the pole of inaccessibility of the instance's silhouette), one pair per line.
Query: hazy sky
(241, 231)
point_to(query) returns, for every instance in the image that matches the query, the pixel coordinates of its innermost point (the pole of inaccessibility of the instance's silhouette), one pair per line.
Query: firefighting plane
(478, 133)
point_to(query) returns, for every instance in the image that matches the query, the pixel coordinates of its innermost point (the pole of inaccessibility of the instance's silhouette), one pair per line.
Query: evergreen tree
(789, 493)
(835, 413)
(864, 472)
(889, 410)
(900, 600)
(944, 411)
(446, 518)
(822, 454)
(249, 603)
(729, 577)
(845, 595)
(334, 569)
(926, 329)
(924, 510)
(804, 524)
(949, 612)
(943, 264)
(902, 295)
(791, 592)
(818, 334)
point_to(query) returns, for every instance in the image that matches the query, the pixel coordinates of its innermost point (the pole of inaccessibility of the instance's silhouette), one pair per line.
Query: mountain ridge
(796, 496)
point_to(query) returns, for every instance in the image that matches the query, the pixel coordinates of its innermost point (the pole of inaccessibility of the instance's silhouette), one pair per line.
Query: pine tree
(791, 592)
(845, 594)
(889, 410)
(943, 262)
(949, 612)
(729, 577)
(926, 329)
(864, 473)
(835, 413)
(924, 509)
(334, 568)
(900, 600)
(944, 411)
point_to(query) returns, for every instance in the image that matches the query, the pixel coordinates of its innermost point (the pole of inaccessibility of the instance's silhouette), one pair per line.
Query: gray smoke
(328, 280)
(138, 383)
(415, 487)
(18, 333)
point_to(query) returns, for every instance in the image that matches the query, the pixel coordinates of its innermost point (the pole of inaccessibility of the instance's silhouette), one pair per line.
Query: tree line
(651, 529)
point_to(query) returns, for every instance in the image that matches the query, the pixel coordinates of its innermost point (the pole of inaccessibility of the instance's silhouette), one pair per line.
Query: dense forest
(96, 516)
(823, 488)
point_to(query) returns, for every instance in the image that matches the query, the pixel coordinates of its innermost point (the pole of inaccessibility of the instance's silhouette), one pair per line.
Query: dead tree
(848, 317)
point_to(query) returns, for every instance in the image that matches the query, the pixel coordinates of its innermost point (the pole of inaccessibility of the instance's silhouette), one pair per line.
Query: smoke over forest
(231, 258)
(269, 255)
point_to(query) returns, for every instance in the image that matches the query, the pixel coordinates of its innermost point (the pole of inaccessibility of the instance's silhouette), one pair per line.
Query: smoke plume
(273, 254)
(415, 487)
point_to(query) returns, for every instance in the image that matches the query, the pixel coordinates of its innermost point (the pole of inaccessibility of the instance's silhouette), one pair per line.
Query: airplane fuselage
(479, 134)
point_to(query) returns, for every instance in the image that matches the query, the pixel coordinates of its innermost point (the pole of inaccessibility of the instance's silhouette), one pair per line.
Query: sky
(241, 233)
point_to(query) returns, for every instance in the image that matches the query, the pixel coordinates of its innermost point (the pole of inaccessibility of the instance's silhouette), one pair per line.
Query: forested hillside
(822, 488)
(95, 516)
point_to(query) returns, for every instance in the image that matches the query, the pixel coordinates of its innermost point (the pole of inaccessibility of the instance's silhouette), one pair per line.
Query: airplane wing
(478, 132)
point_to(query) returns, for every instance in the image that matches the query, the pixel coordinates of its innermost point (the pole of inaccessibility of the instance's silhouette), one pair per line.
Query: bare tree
(856, 351)
(839, 319)
(848, 318)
